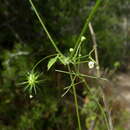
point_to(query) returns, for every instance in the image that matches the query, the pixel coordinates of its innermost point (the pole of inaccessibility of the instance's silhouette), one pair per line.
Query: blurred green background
(23, 43)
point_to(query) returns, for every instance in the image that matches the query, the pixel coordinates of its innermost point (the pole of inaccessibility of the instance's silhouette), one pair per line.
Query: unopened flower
(71, 49)
(83, 38)
(91, 64)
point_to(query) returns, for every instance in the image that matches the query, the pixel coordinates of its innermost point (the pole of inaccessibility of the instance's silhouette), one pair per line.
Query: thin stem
(80, 74)
(95, 48)
(72, 83)
(44, 27)
(98, 75)
(100, 107)
(42, 61)
(86, 25)
(108, 112)
(77, 49)
(75, 99)
(88, 55)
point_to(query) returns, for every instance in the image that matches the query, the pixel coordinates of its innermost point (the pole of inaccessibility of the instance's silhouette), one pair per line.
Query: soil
(121, 85)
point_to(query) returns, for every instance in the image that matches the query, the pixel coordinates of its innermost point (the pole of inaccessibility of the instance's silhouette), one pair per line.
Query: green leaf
(51, 62)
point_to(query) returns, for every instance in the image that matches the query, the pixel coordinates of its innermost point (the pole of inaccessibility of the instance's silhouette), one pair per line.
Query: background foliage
(23, 43)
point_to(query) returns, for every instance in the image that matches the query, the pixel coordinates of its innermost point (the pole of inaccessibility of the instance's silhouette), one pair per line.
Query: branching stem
(75, 98)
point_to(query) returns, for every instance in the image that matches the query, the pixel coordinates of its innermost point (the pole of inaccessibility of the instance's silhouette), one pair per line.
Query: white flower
(71, 49)
(83, 38)
(91, 64)
(31, 96)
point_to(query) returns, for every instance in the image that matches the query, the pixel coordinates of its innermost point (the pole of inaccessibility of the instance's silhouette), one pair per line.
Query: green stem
(42, 61)
(86, 25)
(80, 74)
(75, 99)
(44, 27)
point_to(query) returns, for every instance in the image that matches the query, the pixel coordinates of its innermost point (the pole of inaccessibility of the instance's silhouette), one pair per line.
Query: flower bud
(71, 49)
(83, 38)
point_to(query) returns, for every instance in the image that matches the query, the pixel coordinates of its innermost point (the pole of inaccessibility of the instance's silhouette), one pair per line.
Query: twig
(108, 111)
(92, 125)
(95, 48)
(98, 74)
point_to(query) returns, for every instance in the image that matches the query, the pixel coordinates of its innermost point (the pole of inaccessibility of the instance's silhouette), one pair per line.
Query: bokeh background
(23, 43)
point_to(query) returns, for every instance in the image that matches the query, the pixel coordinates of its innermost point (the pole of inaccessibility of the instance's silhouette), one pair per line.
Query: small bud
(71, 49)
(91, 64)
(80, 55)
(83, 38)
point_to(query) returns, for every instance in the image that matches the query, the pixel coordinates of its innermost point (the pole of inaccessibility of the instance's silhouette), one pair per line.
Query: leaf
(51, 62)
